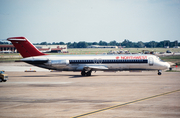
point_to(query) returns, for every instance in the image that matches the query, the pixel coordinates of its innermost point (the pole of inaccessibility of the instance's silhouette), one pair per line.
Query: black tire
(1, 79)
(83, 73)
(89, 73)
(159, 73)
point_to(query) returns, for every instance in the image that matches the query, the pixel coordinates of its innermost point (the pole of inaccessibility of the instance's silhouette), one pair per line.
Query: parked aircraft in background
(87, 63)
(6, 51)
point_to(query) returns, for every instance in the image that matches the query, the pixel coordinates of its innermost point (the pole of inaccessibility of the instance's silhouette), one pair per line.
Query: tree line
(126, 43)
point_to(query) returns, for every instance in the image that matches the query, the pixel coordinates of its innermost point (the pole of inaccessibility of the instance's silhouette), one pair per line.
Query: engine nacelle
(58, 62)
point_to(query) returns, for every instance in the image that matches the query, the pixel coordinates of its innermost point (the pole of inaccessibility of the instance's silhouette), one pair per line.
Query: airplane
(6, 51)
(87, 63)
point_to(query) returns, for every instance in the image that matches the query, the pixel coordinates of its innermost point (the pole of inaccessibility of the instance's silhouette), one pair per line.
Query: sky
(90, 20)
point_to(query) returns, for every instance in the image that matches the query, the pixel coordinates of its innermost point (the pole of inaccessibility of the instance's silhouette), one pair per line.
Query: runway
(108, 95)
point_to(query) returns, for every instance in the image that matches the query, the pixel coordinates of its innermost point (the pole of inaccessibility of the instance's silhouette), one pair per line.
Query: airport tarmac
(45, 94)
(19, 66)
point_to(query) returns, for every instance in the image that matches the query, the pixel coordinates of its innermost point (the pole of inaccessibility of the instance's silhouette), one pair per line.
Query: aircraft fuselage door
(151, 61)
(97, 61)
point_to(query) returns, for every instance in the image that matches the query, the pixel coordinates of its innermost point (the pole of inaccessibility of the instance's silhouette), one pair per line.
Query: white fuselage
(98, 62)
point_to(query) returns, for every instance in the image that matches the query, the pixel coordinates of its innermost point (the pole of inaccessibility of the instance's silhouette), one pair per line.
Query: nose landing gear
(159, 72)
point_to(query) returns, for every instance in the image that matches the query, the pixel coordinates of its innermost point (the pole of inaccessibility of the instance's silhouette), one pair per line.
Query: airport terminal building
(7, 48)
(42, 48)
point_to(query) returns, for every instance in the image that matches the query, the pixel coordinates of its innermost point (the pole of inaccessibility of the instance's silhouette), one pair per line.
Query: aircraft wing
(92, 67)
(95, 68)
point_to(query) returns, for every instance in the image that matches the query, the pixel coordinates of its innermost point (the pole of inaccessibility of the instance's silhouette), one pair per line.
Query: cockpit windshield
(159, 59)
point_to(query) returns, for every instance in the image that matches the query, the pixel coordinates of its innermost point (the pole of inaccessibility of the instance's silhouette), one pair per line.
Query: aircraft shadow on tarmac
(80, 76)
(59, 75)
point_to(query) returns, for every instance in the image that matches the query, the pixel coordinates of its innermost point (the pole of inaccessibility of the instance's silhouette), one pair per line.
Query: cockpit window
(159, 59)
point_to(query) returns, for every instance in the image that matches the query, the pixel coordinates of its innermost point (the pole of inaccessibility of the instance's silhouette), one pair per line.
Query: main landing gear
(159, 72)
(2, 80)
(84, 73)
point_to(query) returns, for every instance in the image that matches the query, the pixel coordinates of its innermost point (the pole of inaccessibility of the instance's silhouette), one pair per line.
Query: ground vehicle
(3, 76)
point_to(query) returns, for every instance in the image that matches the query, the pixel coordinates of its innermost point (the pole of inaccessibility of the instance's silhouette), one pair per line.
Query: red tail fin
(24, 47)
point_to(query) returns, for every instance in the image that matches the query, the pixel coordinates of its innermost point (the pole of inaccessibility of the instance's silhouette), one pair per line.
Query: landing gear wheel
(1, 80)
(83, 73)
(89, 73)
(86, 73)
(159, 72)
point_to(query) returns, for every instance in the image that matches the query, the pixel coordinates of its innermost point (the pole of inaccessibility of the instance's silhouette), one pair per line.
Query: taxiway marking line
(127, 103)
